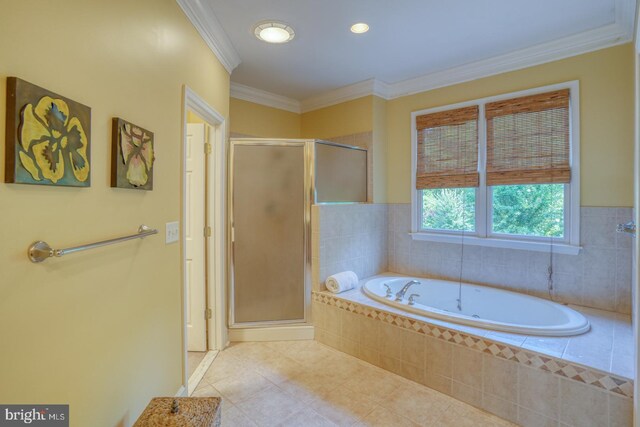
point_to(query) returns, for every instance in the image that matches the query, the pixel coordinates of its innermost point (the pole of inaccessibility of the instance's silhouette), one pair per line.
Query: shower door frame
(308, 193)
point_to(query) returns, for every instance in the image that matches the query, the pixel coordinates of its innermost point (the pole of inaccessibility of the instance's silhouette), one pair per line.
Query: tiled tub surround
(600, 276)
(472, 365)
(348, 237)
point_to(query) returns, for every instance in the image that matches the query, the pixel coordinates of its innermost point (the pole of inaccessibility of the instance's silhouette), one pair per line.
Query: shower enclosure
(273, 184)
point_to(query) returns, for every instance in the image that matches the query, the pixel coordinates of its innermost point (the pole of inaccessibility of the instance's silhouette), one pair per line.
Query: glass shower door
(269, 232)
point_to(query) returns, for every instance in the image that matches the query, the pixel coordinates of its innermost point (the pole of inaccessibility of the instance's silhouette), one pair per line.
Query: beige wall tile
(412, 372)
(503, 408)
(467, 367)
(369, 355)
(438, 357)
(620, 411)
(330, 339)
(350, 347)
(391, 364)
(333, 320)
(390, 340)
(582, 405)
(369, 332)
(534, 384)
(438, 382)
(318, 315)
(500, 377)
(413, 348)
(467, 394)
(351, 325)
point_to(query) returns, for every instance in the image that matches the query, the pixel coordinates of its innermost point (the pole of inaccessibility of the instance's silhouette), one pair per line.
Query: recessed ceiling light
(273, 32)
(359, 28)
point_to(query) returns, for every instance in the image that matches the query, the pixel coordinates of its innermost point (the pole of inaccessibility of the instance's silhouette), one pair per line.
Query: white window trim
(481, 237)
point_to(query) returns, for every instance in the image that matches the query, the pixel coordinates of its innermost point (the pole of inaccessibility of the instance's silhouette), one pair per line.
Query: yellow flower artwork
(51, 140)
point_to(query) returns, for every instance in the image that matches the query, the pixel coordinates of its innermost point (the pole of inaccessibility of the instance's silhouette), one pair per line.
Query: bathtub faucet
(405, 288)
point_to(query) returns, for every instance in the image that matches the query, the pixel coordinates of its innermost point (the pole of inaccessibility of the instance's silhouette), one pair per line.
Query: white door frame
(216, 244)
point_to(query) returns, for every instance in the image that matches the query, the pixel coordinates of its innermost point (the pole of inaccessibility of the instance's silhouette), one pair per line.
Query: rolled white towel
(342, 282)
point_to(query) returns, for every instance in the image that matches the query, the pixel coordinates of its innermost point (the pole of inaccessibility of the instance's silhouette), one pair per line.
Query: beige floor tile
(382, 417)
(374, 383)
(206, 390)
(342, 406)
(306, 418)
(225, 365)
(308, 385)
(242, 386)
(312, 354)
(528, 418)
(236, 418)
(459, 414)
(278, 370)
(270, 406)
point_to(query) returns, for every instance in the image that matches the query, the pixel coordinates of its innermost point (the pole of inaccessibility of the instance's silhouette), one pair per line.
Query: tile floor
(307, 384)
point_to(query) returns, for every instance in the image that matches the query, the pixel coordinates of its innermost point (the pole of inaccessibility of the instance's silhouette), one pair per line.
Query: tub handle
(389, 291)
(412, 298)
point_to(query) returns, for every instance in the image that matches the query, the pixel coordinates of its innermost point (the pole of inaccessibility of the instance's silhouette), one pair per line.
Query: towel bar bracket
(40, 251)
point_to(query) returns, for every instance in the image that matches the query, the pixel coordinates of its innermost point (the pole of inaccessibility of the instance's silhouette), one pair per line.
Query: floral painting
(132, 156)
(47, 137)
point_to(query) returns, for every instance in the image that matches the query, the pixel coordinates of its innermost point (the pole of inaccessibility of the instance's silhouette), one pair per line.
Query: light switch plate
(173, 232)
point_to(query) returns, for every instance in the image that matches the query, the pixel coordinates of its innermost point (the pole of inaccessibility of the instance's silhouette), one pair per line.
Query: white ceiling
(408, 38)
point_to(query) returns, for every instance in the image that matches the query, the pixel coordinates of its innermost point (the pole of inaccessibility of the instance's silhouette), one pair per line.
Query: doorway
(202, 238)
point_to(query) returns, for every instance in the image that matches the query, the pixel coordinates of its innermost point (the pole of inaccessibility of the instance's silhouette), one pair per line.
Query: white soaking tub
(482, 306)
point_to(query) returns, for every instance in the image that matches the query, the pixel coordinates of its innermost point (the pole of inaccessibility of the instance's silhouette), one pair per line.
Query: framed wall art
(48, 137)
(132, 156)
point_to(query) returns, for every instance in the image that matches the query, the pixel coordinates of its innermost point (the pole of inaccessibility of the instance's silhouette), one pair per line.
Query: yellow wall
(337, 120)
(100, 330)
(606, 121)
(380, 138)
(194, 118)
(257, 120)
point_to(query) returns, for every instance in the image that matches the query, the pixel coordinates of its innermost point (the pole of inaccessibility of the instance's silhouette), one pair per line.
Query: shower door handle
(629, 228)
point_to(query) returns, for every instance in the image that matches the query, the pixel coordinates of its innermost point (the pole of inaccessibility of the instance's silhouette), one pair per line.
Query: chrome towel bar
(39, 251)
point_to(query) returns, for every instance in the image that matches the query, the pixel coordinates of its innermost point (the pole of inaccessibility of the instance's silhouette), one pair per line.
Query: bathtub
(482, 306)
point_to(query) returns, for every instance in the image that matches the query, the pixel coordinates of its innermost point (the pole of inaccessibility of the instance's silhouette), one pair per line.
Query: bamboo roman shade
(528, 139)
(447, 151)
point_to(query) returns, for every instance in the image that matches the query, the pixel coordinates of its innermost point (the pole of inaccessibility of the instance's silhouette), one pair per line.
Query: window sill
(527, 245)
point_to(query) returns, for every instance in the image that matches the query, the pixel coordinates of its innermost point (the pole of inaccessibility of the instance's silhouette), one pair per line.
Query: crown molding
(259, 96)
(566, 47)
(622, 31)
(347, 93)
(204, 20)
(626, 15)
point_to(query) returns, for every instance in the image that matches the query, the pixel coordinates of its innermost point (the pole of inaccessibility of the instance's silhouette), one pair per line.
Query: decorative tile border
(589, 376)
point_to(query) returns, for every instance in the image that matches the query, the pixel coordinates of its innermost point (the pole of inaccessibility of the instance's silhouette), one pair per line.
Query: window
(500, 171)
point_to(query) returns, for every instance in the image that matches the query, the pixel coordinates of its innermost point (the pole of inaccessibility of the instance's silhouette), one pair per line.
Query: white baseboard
(202, 368)
(182, 392)
(277, 333)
